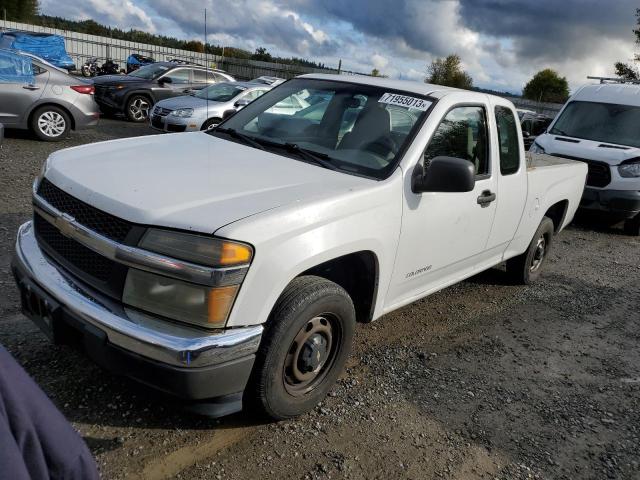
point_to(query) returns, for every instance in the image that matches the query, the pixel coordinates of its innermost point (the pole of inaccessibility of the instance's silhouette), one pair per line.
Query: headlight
(182, 112)
(535, 148)
(178, 300)
(200, 305)
(630, 169)
(213, 252)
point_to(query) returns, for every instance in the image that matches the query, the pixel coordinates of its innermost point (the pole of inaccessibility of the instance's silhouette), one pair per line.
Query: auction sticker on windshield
(405, 101)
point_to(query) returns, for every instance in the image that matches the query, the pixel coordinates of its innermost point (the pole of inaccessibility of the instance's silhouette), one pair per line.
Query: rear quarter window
(509, 146)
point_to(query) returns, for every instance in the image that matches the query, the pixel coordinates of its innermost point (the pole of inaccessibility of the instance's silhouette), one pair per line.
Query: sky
(502, 43)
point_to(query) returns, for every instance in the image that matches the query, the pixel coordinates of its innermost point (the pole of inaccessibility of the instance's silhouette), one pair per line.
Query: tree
(194, 46)
(262, 55)
(448, 71)
(375, 72)
(547, 86)
(19, 10)
(628, 71)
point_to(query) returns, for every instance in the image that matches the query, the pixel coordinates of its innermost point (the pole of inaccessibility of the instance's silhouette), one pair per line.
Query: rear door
(511, 175)
(22, 83)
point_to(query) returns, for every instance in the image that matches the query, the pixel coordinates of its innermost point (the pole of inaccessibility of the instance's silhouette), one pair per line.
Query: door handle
(31, 87)
(486, 198)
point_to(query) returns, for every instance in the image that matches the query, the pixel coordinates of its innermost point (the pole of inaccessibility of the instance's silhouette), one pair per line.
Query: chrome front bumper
(142, 334)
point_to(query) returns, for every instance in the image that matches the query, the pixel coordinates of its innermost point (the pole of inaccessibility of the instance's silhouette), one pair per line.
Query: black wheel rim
(312, 354)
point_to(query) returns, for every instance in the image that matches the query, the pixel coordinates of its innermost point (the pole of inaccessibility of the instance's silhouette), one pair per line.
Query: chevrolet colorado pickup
(231, 266)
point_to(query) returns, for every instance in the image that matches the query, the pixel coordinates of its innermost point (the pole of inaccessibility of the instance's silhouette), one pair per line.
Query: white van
(600, 125)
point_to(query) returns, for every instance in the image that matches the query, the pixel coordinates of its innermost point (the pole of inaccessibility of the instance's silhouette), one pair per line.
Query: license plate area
(40, 308)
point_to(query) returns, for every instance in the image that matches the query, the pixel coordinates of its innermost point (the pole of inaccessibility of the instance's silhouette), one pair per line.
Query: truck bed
(538, 160)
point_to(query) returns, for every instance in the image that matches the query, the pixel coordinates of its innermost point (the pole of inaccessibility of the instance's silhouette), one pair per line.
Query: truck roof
(618, 93)
(437, 91)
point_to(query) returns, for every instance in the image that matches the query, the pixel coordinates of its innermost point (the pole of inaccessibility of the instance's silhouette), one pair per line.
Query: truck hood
(190, 181)
(586, 149)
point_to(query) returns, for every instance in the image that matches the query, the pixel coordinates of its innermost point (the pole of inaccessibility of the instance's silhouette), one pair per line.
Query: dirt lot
(483, 380)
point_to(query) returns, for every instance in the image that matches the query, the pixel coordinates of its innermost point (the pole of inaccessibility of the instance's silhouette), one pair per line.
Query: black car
(136, 93)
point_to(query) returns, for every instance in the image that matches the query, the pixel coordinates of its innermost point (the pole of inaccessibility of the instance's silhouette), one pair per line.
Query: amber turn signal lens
(220, 302)
(234, 254)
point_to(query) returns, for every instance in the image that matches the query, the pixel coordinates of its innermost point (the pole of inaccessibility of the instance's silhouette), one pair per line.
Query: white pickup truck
(231, 266)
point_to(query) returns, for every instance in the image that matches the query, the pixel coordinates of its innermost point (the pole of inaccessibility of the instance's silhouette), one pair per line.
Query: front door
(444, 235)
(21, 85)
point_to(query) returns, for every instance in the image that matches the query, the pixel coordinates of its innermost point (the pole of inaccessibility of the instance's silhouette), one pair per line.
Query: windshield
(149, 72)
(354, 128)
(600, 122)
(220, 92)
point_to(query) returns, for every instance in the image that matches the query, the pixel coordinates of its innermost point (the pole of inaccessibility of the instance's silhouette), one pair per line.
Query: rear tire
(303, 350)
(632, 226)
(137, 108)
(50, 123)
(526, 268)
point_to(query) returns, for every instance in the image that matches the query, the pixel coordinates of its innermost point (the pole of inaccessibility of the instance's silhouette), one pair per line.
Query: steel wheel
(311, 354)
(52, 124)
(539, 254)
(139, 109)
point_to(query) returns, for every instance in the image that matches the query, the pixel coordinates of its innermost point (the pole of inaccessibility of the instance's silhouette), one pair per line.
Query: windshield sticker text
(405, 101)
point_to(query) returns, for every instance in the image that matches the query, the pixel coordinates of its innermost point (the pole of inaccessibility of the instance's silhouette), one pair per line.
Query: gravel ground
(482, 380)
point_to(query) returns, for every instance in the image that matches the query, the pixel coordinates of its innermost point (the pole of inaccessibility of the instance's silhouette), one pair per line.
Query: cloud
(502, 43)
(116, 12)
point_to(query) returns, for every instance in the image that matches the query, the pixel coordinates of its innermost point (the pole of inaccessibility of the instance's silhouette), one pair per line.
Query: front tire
(50, 123)
(526, 268)
(210, 124)
(137, 108)
(304, 348)
(632, 226)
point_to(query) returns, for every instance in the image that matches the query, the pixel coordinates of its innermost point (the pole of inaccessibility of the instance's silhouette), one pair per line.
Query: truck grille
(599, 173)
(104, 223)
(78, 256)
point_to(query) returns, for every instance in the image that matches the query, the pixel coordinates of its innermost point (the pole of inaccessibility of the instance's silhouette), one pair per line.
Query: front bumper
(172, 124)
(183, 361)
(619, 204)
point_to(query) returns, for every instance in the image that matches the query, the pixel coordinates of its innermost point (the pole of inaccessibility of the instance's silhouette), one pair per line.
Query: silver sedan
(206, 108)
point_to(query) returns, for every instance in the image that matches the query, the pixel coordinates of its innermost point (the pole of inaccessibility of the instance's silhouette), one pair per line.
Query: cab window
(462, 134)
(508, 141)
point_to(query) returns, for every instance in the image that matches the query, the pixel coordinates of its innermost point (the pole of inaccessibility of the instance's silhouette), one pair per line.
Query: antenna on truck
(614, 80)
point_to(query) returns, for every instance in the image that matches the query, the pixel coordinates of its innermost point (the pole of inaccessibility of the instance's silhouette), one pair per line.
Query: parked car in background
(135, 61)
(600, 125)
(44, 45)
(206, 108)
(267, 80)
(234, 263)
(134, 94)
(533, 124)
(43, 98)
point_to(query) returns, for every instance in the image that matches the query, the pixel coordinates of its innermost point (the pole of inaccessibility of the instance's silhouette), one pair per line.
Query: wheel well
(57, 105)
(557, 214)
(357, 273)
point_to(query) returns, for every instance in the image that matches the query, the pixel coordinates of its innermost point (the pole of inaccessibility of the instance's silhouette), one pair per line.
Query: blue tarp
(15, 68)
(49, 47)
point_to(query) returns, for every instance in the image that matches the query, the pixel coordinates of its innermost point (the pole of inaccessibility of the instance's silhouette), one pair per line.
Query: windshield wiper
(318, 158)
(240, 136)
(557, 131)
